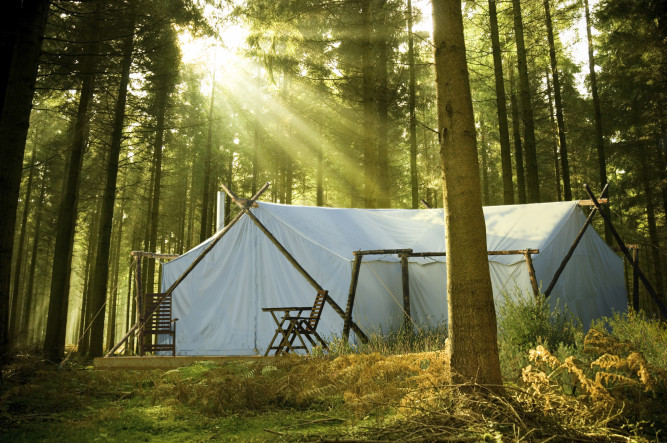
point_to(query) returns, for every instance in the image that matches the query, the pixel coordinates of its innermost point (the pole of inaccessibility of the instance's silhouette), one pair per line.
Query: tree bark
(532, 175)
(473, 347)
(105, 225)
(204, 230)
(383, 185)
(368, 107)
(501, 104)
(518, 149)
(29, 296)
(597, 115)
(14, 319)
(54, 342)
(414, 183)
(565, 168)
(17, 91)
(552, 118)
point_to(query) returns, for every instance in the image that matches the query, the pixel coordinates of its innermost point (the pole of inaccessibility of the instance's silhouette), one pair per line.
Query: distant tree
(532, 175)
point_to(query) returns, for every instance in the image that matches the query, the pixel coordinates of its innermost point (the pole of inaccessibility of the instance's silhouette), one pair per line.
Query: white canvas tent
(219, 303)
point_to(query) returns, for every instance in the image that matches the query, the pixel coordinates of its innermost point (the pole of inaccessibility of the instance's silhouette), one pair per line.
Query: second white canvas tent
(219, 303)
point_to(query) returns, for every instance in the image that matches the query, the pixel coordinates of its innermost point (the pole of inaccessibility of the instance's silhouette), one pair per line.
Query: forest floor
(349, 397)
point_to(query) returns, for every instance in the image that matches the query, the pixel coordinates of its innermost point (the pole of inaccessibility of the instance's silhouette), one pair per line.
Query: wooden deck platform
(159, 362)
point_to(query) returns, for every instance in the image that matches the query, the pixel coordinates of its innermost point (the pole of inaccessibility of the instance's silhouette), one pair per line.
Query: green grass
(394, 388)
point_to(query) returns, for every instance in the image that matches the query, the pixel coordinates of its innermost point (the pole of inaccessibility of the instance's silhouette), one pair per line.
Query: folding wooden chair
(159, 324)
(296, 323)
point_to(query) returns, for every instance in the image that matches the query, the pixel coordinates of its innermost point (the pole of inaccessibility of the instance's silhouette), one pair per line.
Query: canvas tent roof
(219, 303)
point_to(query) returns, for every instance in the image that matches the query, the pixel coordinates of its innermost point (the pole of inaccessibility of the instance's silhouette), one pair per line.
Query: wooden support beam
(407, 319)
(139, 303)
(382, 252)
(602, 201)
(304, 273)
(356, 267)
(531, 273)
(154, 255)
(508, 252)
(626, 253)
(574, 245)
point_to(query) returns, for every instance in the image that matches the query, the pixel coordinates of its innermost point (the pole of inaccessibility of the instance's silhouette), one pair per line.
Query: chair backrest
(316, 311)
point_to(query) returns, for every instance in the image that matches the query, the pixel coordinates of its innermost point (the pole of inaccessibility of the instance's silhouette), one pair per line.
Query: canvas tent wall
(219, 304)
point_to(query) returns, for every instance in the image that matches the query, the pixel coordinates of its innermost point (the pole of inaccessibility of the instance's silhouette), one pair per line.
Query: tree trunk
(54, 342)
(567, 188)
(501, 104)
(485, 163)
(28, 294)
(532, 175)
(14, 319)
(383, 186)
(99, 290)
(17, 90)
(553, 141)
(113, 308)
(473, 347)
(414, 183)
(597, 115)
(320, 176)
(89, 277)
(518, 149)
(368, 107)
(645, 175)
(204, 231)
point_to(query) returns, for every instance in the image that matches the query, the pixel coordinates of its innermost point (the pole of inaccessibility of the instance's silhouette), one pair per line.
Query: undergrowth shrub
(423, 338)
(524, 323)
(648, 336)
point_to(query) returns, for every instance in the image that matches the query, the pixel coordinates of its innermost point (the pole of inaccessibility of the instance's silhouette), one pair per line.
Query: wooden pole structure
(531, 272)
(507, 252)
(356, 267)
(626, 253)
(407, 319)
(138, 256)
(574, 245)
(139, 304)
(305, 274)
(196, 261)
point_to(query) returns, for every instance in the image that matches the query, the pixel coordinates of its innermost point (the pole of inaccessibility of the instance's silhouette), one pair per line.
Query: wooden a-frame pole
(196, 261)
(246, 209)
(626, 253)
(575, 243)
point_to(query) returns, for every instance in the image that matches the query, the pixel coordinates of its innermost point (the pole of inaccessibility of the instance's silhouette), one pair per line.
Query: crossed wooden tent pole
(245, 205)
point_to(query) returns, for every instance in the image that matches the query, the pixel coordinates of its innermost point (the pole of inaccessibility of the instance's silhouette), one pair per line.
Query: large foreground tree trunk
(18, 90)
(473, 346)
